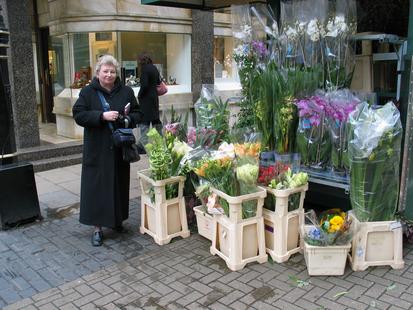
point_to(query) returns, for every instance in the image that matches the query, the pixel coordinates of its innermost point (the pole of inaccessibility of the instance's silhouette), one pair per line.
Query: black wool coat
(148, 97)
(104, 190)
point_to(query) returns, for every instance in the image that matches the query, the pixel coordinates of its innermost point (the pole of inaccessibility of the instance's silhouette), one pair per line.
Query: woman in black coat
(148, 99)
(104, 195)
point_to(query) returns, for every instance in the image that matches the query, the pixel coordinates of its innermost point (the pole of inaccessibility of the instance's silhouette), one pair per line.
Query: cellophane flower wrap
(217, 168)
(374, 151)
(301, 43)
(338, 44)
(201, 137)
(248, 53)
(247, 167)
(340, 104)
(332, 227)
(232, 174)
(164, 159)
(313, 137)
(212, 114)
(289, 180)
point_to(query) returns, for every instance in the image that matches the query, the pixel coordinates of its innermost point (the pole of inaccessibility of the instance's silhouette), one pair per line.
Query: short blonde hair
(108, 60)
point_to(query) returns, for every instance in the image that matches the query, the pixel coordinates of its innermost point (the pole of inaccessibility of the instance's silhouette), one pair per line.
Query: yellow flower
(335, 224)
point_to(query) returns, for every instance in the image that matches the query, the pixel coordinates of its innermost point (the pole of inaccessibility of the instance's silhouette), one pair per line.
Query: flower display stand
(239, 241)
(376, 244)
(205, 222)
(282, 238)
(162, 219)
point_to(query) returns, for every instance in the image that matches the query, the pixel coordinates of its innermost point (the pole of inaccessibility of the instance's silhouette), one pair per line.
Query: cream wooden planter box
(239, 241)
(376, 244)
(162, 219)
(205, 222)
(282, 228)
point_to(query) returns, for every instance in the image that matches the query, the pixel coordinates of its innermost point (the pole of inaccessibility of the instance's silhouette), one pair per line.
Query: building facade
(54, 46)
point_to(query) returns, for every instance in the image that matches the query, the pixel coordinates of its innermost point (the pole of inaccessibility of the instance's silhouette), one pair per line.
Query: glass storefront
(224, 64)
(72, 58)
(56, 58)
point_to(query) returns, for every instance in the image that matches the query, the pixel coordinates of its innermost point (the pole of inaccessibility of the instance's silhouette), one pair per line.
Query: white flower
(245, 33)
(227, 149)
(239, 50)
(247, 29)
(314, 30)
(336, 26)
(300, 26)
(291, 33)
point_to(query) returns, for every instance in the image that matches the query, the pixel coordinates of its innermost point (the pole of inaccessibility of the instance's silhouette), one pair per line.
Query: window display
(224, 65)
(171, 54)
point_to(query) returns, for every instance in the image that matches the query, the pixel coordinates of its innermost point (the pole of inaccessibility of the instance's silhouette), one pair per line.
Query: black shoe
(97, 238)
(141, 149)
(121, 229)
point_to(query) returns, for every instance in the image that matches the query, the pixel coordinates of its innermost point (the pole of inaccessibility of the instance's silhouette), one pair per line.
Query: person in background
(148, 100)
(104, 193)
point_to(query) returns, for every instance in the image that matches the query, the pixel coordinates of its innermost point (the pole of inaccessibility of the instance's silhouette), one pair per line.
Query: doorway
(46, 83)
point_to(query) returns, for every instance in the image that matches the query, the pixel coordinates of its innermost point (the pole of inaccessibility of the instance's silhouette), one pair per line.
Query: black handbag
(122, 137)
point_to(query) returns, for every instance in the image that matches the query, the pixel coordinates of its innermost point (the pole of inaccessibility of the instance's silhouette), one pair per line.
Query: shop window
(224, 66)
(170, 53)
(57, 54)
(81, 60)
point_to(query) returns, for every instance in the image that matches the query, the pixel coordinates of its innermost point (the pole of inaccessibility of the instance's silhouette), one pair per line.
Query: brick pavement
(51, 265)
(131, 272)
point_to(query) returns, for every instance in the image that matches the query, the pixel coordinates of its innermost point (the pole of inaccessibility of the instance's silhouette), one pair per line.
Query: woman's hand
(110, 116)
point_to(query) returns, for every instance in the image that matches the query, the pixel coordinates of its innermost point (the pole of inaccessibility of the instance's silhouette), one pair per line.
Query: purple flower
(259, 48)
(172, 128)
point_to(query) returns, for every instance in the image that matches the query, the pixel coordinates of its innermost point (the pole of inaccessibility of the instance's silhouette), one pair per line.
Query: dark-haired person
(148, 99)
(104, 190)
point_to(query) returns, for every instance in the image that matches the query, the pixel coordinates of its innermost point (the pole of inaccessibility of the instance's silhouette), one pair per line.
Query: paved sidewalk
(51, 265)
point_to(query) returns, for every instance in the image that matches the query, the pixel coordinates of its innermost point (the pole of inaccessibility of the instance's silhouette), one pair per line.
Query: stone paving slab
(52, 266)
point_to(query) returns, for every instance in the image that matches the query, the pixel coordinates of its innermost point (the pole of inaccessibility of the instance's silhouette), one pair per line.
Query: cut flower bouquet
(232, 169)
(333, 227)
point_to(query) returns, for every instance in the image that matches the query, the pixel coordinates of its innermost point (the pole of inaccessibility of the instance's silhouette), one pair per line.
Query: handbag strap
(105, 106)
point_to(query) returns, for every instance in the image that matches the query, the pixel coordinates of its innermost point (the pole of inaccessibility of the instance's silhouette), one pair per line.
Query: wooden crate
(240, 241)
(282, 227)
(162, 219)
(376, 244)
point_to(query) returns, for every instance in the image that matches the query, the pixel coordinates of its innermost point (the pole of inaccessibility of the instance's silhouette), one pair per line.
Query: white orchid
(245, 33)
(336, 26)
(315, 30)
(301, 27)
(291, 33)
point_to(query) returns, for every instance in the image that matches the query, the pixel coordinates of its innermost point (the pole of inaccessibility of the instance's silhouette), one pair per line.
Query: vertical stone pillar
(21, 71)
(202, 50)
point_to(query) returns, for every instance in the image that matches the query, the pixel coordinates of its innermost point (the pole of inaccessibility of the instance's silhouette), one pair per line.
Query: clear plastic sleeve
(212, 113)
(247, 168)
(339, 47)
(332, 227)
(340, 104)
(241, 23)
(313, 137)
(374, 149)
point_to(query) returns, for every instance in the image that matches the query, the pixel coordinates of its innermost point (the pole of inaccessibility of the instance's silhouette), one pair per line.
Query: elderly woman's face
(107, 75)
